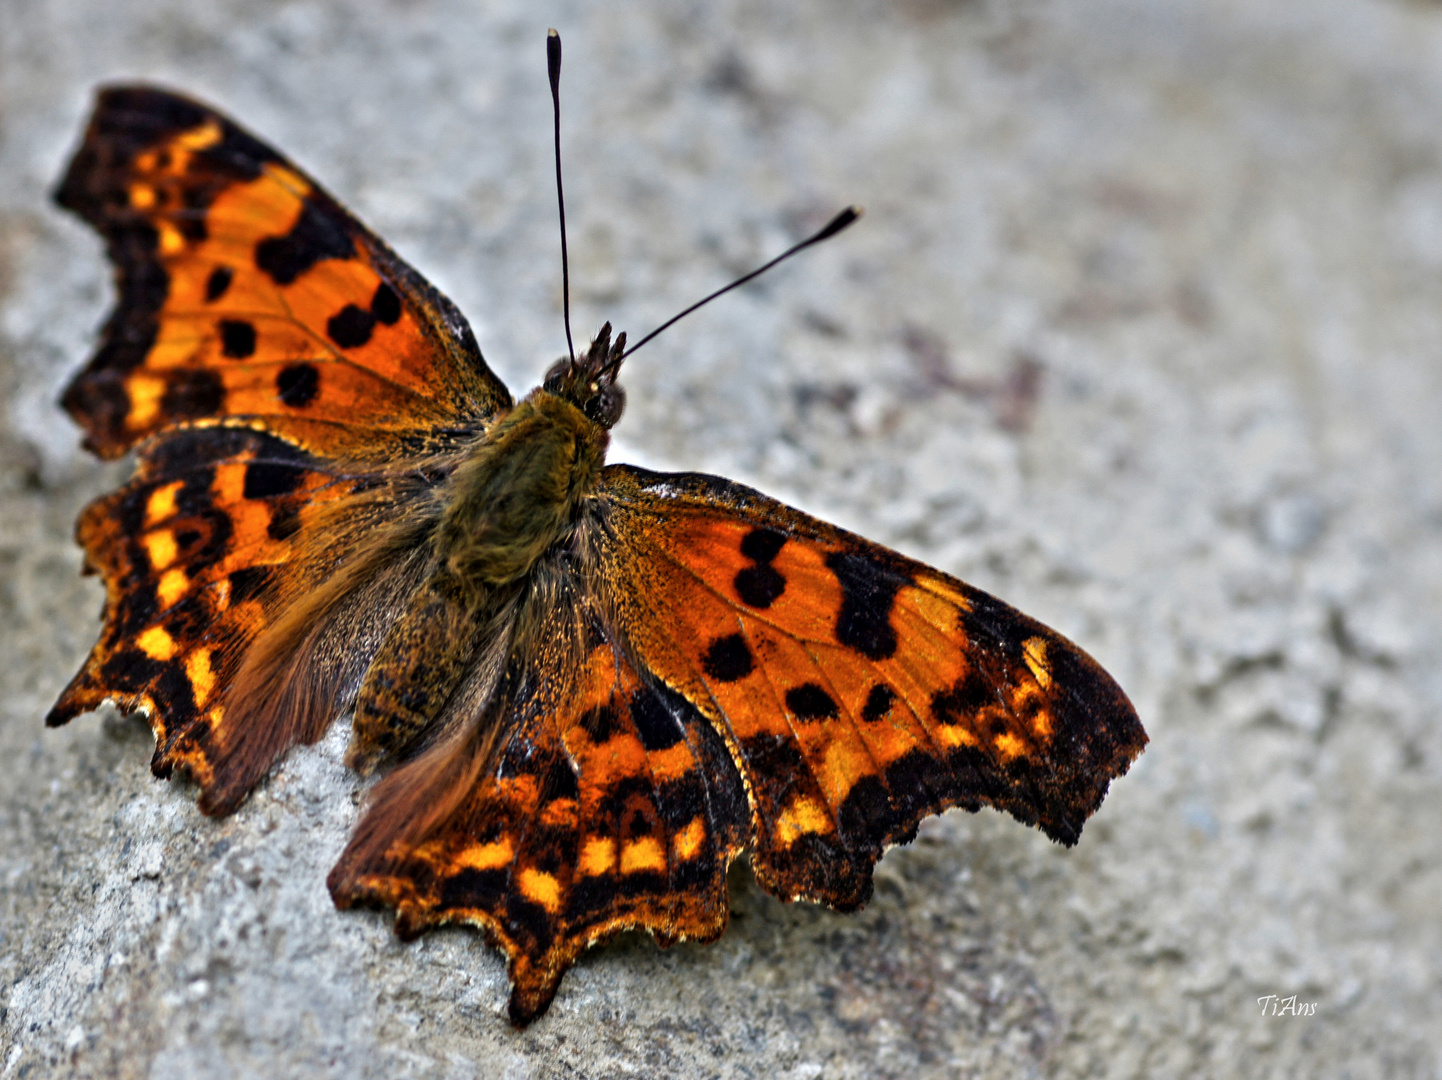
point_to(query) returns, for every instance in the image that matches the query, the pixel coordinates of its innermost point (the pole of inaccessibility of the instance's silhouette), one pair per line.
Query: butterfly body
(588, 687)
(515, 494)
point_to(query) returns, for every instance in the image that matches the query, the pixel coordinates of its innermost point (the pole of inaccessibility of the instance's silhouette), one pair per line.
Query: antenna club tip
(836, 224)
(551, 32)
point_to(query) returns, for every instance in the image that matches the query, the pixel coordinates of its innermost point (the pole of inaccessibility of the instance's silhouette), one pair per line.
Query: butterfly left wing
(249, 296)
(857, 691)
(584, 801)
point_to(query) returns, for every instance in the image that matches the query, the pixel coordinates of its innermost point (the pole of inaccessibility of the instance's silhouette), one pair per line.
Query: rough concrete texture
(1142, 332)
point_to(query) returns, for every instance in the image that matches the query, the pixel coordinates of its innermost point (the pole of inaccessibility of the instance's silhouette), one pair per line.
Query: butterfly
(586, 688)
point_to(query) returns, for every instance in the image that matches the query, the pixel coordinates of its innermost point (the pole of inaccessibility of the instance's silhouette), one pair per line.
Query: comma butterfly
(590, 687)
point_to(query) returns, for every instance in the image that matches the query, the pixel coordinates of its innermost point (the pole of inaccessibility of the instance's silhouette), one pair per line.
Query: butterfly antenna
(553, 67)
(830, 229)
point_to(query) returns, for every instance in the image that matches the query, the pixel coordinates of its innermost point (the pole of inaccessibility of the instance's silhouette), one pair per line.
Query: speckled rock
(1142, 332)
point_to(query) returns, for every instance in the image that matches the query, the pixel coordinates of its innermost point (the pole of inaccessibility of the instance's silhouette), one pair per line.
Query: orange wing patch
(249, 295)
(198, 557)
(607, 804)
(857, 691)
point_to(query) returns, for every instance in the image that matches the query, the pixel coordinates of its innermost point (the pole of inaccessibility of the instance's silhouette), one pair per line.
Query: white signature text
(1275, 1005)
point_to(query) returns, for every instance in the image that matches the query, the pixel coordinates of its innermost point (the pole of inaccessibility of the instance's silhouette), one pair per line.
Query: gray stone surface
(1141, 332)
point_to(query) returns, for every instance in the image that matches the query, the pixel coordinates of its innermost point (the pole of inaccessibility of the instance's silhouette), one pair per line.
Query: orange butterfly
(591, 686)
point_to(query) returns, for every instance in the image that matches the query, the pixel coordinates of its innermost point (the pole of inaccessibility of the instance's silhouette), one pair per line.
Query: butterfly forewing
(248, 294)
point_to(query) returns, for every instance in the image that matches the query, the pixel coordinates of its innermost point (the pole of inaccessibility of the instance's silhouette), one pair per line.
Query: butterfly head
(589, 382)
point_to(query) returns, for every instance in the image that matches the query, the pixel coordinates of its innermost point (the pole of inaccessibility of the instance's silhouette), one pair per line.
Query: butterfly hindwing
(248, 294)
(590, 802)
(858, 691)
(199, 556)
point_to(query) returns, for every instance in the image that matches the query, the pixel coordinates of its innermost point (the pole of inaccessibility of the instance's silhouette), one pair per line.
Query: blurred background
(1140, 332)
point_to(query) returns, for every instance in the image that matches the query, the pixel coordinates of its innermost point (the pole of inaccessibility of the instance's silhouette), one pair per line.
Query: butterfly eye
(556, 374)
(607, 405)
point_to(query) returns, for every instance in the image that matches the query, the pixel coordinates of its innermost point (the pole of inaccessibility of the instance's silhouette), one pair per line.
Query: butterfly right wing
(247, 295)
(221, 535)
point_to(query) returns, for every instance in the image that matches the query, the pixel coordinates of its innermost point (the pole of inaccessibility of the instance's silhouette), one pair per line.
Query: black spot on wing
(965, 698)
(866, 815)
(761, 545)
(559, 781)
(249, 582)
(759, 586)
(728, 659)
(202, 539)
(473, 889)
(218, 282)
(298, 385)
(810, 702)
(659, 730)
(878, 703)
(639, 820)
(317, 235)
(267, 479)
(386, 305)
(350, 327)
(237, 338)
(600, 723)
(552, 849)
(284, 520)
(868, 590)
(620, 801)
